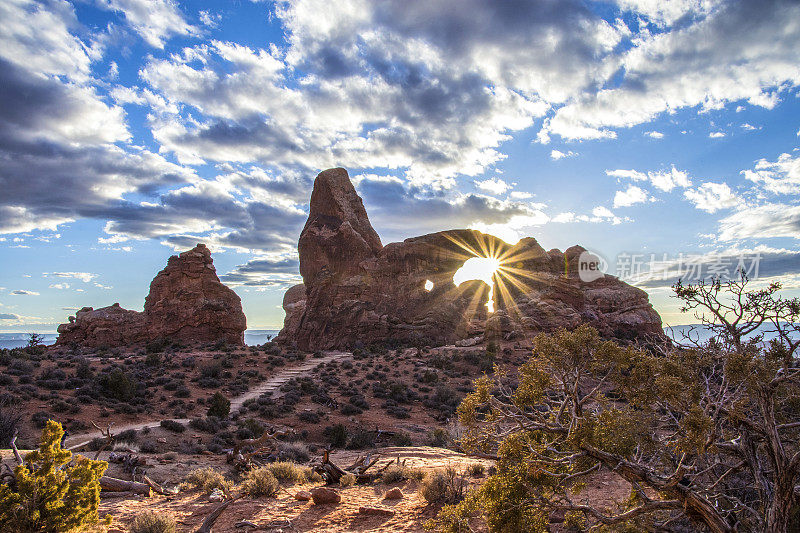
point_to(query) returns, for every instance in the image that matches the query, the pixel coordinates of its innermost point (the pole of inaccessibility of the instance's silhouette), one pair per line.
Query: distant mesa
(425, 289)
(187, 303)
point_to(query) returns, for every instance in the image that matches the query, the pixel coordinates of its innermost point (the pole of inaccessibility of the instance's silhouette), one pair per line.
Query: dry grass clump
(475, 470)
(207, 479)
(287, 472)
(153, 522)
(393, 474)
(444, 486)
(347, 480)
(260, 482)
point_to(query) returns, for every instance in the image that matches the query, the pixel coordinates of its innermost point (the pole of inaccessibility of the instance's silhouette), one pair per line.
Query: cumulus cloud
(154, 20)
(716, 135)
(665, 180)
(558, 154)
(781, 176)
(23, 292)
(85, 277)
(707, 64)
(494, 186)
(712, 197)
(630, 196)
(655, 134)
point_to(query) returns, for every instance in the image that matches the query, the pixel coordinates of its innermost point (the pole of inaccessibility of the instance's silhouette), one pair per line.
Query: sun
(481, 269)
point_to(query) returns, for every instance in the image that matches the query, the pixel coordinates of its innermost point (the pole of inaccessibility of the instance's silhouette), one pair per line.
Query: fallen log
(113, 484)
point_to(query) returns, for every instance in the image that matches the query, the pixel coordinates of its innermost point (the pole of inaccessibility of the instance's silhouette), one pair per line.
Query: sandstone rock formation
(357, 292)
(187, 303)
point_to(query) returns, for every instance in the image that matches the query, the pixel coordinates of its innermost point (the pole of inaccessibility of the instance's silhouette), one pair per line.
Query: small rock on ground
(322, 495)
(393, 494)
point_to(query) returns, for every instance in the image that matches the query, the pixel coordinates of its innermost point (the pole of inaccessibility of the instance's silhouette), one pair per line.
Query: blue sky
(132, 129)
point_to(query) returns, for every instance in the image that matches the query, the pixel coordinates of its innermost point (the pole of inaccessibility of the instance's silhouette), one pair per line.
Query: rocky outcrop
(357, 292)
(187, 303)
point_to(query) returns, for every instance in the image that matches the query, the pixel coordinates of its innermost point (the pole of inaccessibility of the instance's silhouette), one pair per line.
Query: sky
(662, 136)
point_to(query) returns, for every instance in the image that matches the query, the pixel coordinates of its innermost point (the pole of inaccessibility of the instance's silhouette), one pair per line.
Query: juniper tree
(49, 491)
(706, 437)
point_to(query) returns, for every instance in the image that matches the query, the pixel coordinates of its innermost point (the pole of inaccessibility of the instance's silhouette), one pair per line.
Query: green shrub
(118, 385)
(207, 479)
(52, 494)
(153, 522)
(219, 406)
(260, 482)
(336, 434)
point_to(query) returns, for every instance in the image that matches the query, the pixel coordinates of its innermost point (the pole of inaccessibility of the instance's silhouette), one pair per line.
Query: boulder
(322, 495)
(357, 292)
(187, 302)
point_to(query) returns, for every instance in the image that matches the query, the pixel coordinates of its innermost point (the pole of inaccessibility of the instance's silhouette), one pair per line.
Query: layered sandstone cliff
(187, 303)
(356, 291)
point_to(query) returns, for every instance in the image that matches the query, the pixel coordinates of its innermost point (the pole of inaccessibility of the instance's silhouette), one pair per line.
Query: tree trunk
(779, 511)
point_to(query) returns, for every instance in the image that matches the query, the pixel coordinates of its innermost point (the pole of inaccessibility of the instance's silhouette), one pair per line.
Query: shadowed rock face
(356, 291)
(187, 302)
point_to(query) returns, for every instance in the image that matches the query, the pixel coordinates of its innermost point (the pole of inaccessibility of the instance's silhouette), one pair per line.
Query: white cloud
(60, 286)
(665, 180)
(520, 195)
(630, 196)
(712, 197)
(23, 292)
(494, 186)
(154, 20)
(762, 222)
(557, 154)
(654, 134)
(716, 135)
(781, 176)
(85, 277)
(707, 63)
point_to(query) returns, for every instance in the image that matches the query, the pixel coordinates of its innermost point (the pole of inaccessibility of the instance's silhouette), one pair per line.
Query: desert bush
(476, 470)
(260, 482)
(10, 419)
(171, 425)
(207, 479)
(347, 480)
(152, 360)
(219, 406)
(401, 438)
(444, 486)
(208, 425)
(439, 437)
(51, 493)
(153, 522)
(296, 452)
(118, 385)
(287, 472)
(393, 474)
(336, 434)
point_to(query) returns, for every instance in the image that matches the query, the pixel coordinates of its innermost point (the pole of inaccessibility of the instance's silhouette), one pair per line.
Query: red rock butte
(187, 303)
(356, 291)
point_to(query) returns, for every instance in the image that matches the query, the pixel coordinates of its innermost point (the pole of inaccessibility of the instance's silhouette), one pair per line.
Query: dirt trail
(272, 384)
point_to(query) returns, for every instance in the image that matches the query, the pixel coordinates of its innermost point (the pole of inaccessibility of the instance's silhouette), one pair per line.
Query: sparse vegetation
(260, 482)
(207, 479)
(219, 406)
(153, 522)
